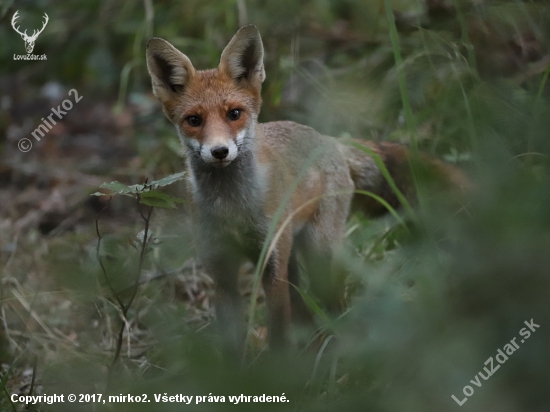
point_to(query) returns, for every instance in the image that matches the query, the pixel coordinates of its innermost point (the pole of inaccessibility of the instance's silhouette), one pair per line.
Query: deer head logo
(29, 40)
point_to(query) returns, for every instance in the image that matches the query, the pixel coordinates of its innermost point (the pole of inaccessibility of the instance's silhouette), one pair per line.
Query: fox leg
(324, 284)
(301, 315)
(317, 242)
(276, 288)
(228, 305)
(222, 262)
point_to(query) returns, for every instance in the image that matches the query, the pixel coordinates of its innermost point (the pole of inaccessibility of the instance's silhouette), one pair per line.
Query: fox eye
(194, 121)
(234, 114)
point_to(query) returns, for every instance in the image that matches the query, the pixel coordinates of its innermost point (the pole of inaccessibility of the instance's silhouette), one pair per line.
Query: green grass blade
(312, 304)
(319, 356)
(386, 205)
(394, 37)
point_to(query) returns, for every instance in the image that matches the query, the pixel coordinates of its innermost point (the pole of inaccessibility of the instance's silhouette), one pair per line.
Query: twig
(126, 308)
(142, 252)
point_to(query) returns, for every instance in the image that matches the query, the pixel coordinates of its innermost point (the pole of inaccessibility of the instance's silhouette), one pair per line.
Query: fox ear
(243, 57)
(169, 68)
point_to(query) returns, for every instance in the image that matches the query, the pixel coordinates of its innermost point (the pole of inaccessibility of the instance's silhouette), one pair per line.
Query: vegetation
(430, 299)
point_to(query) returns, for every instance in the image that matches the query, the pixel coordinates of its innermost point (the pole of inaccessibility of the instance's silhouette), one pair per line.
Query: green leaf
(122, 189)
(140, 188)
(117, 187)
(168, 180)
(159, 199)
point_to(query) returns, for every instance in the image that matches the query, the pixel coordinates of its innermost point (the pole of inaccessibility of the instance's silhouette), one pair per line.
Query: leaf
(168, 180)
(117, 187)
(140, 188)
(122, 189)
(159, 199)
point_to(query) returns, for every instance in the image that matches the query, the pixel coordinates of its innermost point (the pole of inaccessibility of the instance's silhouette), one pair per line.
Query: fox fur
(240, 171)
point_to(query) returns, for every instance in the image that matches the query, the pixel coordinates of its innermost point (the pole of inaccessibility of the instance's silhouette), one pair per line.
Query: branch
(126, 308)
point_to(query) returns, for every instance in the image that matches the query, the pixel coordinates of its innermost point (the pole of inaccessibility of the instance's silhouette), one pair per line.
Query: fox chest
(234, 197)
(230, 202)
(236, 226)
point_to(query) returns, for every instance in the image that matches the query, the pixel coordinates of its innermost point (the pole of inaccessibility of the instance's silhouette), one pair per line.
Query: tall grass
(427, 304)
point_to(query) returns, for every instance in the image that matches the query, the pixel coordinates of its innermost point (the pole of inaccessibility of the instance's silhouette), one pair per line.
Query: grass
(428, 300)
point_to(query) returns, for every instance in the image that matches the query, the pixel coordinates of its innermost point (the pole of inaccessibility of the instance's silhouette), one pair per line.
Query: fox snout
(219, 154)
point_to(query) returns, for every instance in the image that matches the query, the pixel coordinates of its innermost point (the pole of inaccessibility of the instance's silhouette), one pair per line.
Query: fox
(240, 172)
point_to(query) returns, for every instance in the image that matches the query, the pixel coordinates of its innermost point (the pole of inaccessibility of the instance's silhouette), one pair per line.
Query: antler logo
(29, 40)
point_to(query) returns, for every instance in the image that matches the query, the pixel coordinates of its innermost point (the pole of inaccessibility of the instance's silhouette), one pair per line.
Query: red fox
(240, 171)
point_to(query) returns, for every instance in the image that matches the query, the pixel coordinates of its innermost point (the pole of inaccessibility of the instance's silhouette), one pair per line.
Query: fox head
(214, 111)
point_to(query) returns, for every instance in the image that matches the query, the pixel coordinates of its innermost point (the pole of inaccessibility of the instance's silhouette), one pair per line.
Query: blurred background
(429, 301)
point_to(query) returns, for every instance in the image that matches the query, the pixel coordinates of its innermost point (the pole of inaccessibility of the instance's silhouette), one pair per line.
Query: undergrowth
(433, 289)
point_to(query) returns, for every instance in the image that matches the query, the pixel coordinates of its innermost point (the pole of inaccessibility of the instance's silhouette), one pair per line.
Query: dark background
(427, 305)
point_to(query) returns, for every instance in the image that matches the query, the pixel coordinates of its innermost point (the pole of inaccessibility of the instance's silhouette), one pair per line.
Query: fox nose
(220, 152)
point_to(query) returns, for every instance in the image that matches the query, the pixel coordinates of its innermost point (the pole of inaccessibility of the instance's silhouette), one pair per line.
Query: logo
(29, 40)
